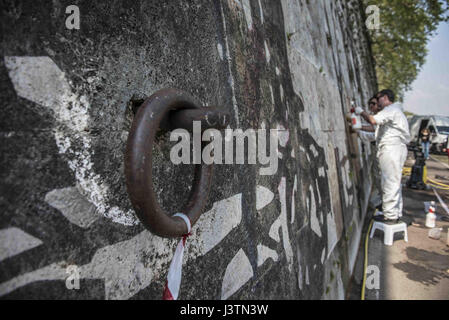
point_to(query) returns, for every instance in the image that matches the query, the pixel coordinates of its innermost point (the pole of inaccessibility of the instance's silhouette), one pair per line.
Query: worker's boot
(383, 219)
(378, 213)
(379, 208)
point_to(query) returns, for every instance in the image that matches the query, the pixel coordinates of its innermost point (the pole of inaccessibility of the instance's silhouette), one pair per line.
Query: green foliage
(399, 47)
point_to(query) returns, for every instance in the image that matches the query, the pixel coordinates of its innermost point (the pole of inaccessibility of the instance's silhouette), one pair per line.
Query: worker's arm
(367, 136)
(366, 116)
(368, 129)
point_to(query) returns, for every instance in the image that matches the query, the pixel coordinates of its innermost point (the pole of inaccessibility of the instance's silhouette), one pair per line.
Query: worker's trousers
(391, 161)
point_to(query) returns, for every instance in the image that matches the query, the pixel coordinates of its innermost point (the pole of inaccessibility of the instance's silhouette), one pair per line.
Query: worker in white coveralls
(368, 132)
(392, 136)
(368, 135)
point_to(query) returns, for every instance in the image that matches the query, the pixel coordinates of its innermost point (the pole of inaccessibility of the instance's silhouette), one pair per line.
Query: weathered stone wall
(67, 107)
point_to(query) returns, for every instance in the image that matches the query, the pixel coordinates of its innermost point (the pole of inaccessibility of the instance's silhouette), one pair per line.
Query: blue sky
(430, 91)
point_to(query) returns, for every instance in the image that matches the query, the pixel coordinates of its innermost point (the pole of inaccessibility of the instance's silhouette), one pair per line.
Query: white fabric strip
(175, 273)
(174, 276)
(186, 220)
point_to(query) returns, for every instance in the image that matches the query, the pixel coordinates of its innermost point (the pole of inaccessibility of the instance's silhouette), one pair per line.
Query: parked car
(439, 130)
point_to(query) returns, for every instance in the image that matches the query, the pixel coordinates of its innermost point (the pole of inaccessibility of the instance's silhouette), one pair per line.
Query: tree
(399, 46)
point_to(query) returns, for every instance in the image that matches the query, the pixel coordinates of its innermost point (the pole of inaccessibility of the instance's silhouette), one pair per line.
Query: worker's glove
(358, 111)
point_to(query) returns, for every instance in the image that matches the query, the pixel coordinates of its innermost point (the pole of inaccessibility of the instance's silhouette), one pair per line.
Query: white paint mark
(247, 11)
(293, 154)
(354, 243)
(261, 12)
(14, 241)
(264, 253)
(281, 89)
(263, 197)
(231, 76)
(285, 236)
(314, 151)
(73, 205)
(267, 52)
(307, 204)
(300, 277)
(323, 256)
(272, 96)
(341, 287)
(278, 72)
(321, 172)
(318, 191)
(293, 207)
(350, 199)
(274, 230)
(347, 184)
(237, 273)
(129, 266)
(55, 271)
(314, 223)
(283, 135)
(307, 276)
(39, 80)
(220, 50)
(213, 226)
(332, 238)
(118, 215)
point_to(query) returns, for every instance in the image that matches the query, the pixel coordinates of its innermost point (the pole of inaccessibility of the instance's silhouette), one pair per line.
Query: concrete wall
(67, 99)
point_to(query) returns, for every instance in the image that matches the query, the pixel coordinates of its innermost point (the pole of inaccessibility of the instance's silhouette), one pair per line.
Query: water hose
(406, 171)
(366, 259)
(424, 175)
(438, 183)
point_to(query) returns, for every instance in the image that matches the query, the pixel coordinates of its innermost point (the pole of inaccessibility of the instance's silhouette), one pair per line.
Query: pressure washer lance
(355, 119)
(431, 217)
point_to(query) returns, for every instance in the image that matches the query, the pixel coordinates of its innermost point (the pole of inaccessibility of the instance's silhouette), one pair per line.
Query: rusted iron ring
(168, 109)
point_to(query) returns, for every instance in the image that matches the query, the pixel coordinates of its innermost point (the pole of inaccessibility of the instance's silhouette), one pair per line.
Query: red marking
(167, 294)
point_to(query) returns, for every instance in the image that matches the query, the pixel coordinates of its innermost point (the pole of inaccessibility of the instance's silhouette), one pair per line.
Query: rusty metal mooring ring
(167, 109)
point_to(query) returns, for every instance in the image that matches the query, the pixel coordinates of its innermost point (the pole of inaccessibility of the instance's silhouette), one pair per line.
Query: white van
(439, 131)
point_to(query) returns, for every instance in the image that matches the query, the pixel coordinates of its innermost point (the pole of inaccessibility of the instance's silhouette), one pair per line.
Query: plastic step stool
(389, 231)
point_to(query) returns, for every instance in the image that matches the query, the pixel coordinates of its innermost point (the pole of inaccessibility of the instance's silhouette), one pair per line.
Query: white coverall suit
(368, 137)
(392, 136)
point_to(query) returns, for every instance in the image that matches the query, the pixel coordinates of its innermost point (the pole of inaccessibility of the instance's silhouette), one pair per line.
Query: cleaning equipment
(355, 119)
(435, 233)
(431, 217)
(417, 176)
